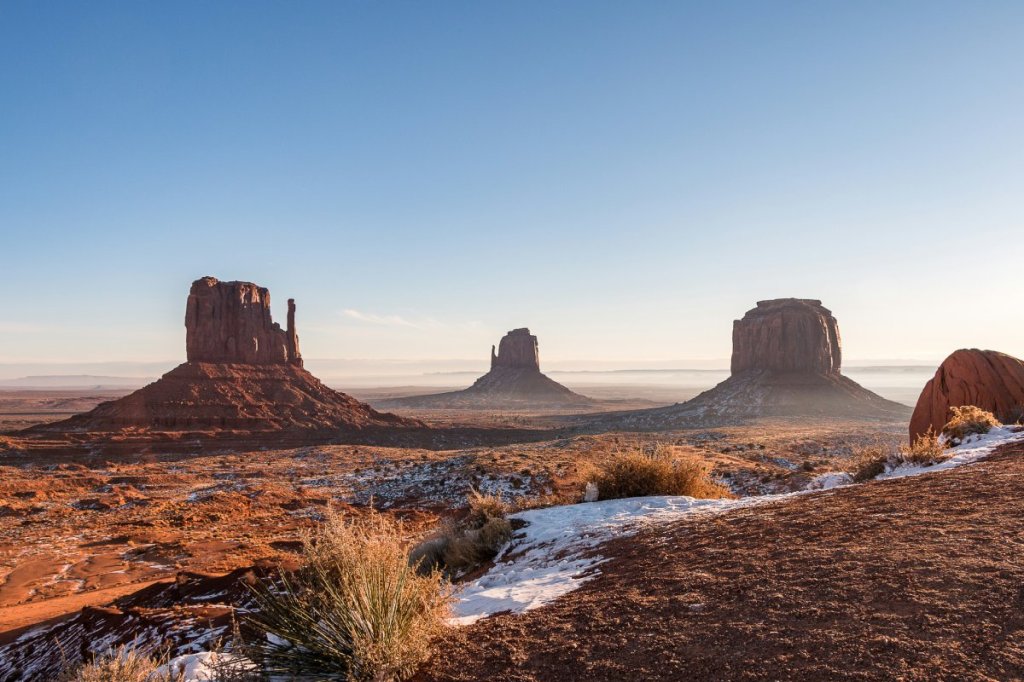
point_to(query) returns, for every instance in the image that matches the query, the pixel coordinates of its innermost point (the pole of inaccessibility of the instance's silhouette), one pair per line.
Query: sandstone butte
(988, 379)
(514, 381)
(786, 362)
(243, 379)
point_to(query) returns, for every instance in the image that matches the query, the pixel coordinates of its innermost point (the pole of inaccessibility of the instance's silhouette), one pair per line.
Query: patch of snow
(970, 450)
(550, 556)
(829, 480)
(201, 667)
(556, 552)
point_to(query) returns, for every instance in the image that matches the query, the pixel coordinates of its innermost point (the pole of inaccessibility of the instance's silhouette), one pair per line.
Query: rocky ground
(907, 579)
(75, 533)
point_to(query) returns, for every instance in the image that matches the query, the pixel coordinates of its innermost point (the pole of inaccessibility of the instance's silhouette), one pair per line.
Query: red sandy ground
(912, 579)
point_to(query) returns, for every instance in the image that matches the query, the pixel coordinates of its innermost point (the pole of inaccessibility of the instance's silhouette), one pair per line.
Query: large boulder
(787, 335)
(988, 379)
(230, 322)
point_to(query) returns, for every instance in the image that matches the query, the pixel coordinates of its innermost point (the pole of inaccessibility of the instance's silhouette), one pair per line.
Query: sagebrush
(968, 420)
(639, 474)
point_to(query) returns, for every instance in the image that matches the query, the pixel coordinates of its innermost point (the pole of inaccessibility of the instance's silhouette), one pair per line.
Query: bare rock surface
(787, 335)
(988, 379)
(231, 322)
(517, 350)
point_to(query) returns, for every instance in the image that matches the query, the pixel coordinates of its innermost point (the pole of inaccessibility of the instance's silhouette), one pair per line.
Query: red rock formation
(787, 335)
(518, 349)
(785, 363)
(514, 382)
(243, 379)
(230, 322)
(990, 380)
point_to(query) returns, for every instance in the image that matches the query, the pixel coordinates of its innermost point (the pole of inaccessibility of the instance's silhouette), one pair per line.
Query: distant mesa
(243, 380)
(514, 381)
(988, 379)
(786, 361)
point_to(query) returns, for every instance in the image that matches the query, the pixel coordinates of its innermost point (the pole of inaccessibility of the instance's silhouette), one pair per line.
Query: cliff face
(231, 322)
(990, 380)
(517, 350)
(514, 382)
(787, 335)
(243, 380)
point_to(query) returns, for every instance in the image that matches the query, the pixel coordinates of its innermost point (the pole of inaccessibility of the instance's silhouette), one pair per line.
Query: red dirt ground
(910, 579)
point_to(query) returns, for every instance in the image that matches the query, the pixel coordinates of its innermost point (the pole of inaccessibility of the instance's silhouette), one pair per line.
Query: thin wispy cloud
(384, 320)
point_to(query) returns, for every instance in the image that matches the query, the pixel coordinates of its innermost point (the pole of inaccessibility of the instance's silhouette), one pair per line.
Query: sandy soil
(70, 528)
(908, 579)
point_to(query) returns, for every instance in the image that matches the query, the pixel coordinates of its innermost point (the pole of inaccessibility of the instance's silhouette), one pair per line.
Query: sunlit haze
(625, 179)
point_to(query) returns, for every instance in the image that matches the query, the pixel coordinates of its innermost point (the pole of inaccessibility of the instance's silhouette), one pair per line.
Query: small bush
(925, 451)
(462, 546)
(636, 474)
(869, 462)
(968, 420)
(120, 665)
(358, 609)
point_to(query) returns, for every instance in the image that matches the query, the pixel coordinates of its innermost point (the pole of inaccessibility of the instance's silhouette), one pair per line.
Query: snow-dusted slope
(557, 551)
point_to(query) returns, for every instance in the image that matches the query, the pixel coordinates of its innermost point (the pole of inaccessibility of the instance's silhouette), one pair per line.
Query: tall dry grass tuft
(638, 474)
(358, 609)
(463, 545)
(870, 461)
(123, 664)
(924, 451)
(968, 420)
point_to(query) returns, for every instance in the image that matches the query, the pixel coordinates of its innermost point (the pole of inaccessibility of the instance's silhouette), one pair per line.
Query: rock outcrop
(988, 379)
(787, 335)
(786, 362)
(517, 350)
(230, 322)
(514, 382)
(243, 383)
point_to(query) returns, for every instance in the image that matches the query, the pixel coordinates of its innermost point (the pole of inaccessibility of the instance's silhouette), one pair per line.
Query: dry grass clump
(464, 545)
(869, 462)
(638, 474)
(925, 451)
(358, 610)
(123, 664)
(968, 420)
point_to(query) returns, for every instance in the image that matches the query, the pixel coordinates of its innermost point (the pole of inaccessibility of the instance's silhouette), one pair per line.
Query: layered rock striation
(787, 335)
(243, 380)
(786, 362)
(987, 379)
(514, 382)
(231, 322)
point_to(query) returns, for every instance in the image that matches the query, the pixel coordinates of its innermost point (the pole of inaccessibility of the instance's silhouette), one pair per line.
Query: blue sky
(624, 178)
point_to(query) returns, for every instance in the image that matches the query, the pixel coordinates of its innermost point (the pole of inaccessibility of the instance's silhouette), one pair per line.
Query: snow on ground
(555, 553)
(971, 450)
(205, 667)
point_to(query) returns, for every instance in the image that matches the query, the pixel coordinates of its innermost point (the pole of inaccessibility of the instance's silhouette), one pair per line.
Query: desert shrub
(357, 610)
(123, 664)
(925, 450)
(638, 474)
(968, 420)
(869, 462)
(466, 544)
